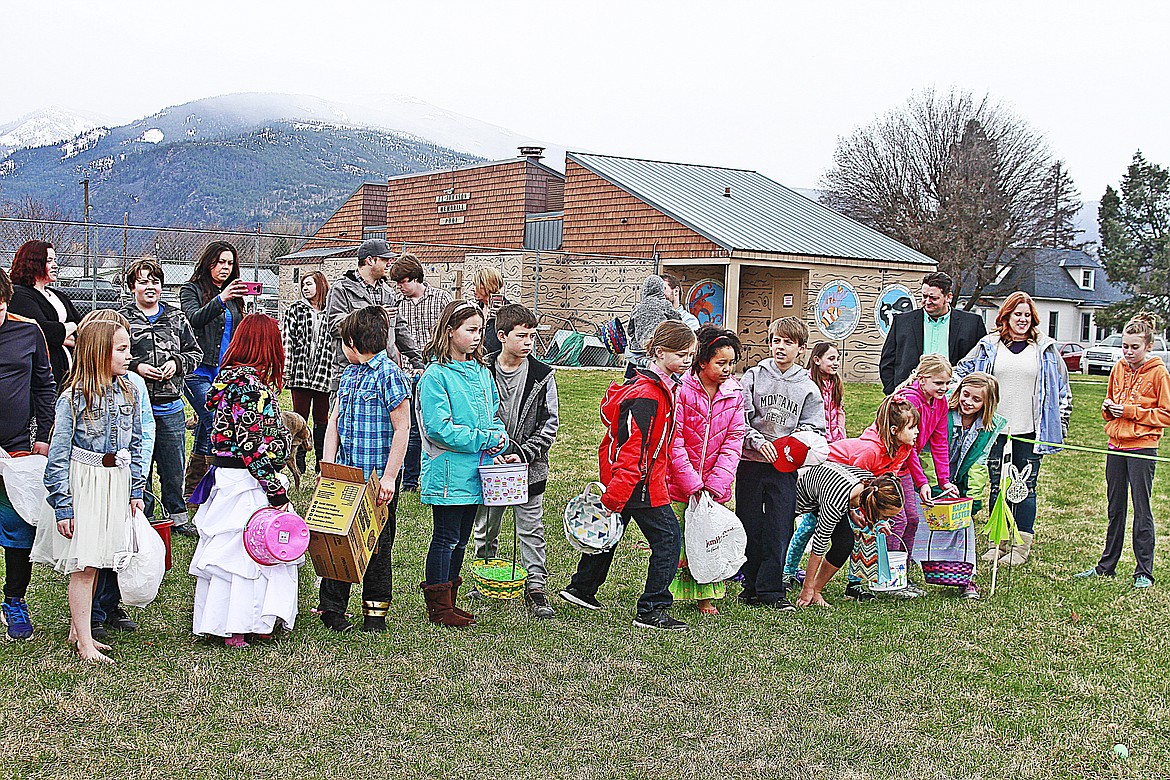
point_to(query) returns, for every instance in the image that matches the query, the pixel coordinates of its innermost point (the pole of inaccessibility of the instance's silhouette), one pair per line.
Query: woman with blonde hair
(487, 283)
(1036, 402)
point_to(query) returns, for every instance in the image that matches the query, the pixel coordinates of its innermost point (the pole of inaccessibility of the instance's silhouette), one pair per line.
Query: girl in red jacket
(709, 427)
(639, 425)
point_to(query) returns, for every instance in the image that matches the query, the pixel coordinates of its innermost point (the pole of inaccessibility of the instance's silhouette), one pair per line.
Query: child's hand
(924, 494)
(502, 459)
(137, 505)
(385, 488)
(65, 528)
(950, 490)
(768, 450)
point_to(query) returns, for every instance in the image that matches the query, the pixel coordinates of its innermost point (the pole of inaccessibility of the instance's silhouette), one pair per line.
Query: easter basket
(497, 578)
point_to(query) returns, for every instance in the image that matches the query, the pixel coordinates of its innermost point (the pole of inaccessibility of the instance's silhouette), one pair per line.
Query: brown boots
(197, 466)
(455, 585)
(440, 599)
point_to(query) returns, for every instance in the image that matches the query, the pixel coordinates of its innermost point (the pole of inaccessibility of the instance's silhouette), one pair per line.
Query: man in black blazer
(906, 342)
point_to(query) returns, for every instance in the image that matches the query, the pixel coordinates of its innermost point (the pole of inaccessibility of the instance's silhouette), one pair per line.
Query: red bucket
(164, 530)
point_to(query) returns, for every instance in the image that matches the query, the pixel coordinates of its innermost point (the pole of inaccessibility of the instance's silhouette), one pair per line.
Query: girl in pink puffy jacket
(824, 363)
(707, 442)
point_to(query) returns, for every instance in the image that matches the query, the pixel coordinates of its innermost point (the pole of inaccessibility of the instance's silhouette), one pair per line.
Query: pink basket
(272, 536)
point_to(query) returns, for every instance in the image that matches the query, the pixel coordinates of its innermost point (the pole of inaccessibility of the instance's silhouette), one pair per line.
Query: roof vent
(727, 192)
(532, 152)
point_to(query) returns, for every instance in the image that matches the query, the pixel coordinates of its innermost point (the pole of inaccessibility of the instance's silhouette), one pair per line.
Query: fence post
(536, 287)
(256, 268)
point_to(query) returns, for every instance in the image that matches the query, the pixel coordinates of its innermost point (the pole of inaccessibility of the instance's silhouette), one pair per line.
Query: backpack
(613, 336)
(590, 528)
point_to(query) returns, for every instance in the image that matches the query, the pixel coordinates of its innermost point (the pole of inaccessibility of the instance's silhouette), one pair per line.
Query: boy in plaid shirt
(368, 428)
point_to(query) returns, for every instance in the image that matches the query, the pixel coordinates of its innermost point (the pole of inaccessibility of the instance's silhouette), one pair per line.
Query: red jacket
(639, 425)
(868, 452)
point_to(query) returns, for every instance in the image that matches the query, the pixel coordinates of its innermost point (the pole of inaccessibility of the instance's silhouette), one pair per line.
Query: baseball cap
(804, 448)
(375, 247)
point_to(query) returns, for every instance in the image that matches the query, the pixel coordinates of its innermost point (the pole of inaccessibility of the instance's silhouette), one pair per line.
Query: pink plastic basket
(272, 536)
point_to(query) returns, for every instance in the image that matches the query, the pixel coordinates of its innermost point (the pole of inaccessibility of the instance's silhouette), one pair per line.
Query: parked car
(83, 292)
(1100, 358)
(1072, 354)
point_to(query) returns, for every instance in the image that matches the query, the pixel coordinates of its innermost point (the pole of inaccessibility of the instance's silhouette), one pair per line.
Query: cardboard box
(344, 522)
(949, 514)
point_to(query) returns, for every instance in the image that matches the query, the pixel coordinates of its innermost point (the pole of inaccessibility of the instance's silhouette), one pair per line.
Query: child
(926, 390)
(707, 443)
(833, 493)
(883, 448)
(234, 595)
(823, 364)
(529, 409)
(369, 428)
(1136, 412)
(780, 399)
(456, 406)
(94, 473)
(633, 457)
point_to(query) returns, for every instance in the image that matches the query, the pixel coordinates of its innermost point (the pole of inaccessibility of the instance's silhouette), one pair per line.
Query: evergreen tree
(1063, 205)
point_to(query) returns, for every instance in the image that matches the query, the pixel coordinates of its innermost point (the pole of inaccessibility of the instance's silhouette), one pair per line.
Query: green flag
(1001, 524)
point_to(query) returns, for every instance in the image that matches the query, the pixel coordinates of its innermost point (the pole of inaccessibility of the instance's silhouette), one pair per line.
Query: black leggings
(18, 572)
(841, 546)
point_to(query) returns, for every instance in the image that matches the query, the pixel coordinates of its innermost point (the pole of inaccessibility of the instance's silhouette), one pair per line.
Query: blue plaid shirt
(367, 394)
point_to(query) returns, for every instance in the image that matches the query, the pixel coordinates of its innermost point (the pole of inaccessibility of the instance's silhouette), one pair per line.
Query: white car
(1101, 357)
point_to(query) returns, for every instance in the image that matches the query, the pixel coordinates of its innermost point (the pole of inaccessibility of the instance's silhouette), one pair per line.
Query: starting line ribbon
(1094, 450)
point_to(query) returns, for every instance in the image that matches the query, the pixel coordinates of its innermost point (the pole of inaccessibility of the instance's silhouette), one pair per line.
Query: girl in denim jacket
(94, 473)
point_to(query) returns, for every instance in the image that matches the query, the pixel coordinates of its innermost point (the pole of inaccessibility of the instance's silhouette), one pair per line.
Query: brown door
(789, 293)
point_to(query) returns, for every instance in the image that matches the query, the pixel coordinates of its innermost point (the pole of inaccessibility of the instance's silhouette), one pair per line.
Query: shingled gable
(745, 211)
(1044, 274)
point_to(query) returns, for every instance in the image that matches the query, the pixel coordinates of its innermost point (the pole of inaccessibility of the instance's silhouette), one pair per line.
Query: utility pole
(90, 264)
(125, 229)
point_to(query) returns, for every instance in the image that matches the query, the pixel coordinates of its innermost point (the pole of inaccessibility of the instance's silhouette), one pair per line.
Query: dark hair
(5, 287)
(153, 270)
(940, 280)
(711, 340)
(513, 315)
(202, 273)
(30, 262)
(406, 267)
(670, 279)
(453, 315)
(814, 371)
(256, 342)
(366, 330)
(671, 336)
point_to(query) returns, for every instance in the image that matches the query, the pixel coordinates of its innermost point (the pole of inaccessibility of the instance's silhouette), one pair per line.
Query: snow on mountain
(47, 126)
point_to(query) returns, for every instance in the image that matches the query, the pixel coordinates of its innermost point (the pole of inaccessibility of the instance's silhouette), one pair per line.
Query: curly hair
(30, 263)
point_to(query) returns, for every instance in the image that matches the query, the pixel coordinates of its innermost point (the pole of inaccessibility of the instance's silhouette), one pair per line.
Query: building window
(1086, 325)
(296, 275)
(1087, 279)
(1052, 320)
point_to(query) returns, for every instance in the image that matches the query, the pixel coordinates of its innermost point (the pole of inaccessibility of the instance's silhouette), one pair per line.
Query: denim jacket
(117, 426)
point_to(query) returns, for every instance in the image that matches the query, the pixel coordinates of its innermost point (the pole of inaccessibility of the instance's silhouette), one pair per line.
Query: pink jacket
(932, 430)
(708, 439)
(834, 415)
(868, 452)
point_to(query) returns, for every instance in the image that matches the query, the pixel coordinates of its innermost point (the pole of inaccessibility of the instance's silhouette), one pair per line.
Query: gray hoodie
(649, 313)
(779, 404)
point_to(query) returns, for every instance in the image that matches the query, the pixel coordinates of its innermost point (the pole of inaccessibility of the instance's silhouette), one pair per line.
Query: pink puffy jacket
(933, 427)
(708, 439)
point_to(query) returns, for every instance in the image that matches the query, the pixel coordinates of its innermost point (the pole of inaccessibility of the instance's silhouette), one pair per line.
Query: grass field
(1039, 682)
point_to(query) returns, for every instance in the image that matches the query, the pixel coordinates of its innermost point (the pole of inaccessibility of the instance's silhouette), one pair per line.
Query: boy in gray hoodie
(779, 399)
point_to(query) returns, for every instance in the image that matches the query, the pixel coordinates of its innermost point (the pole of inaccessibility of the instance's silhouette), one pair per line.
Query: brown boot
(996, 553)
(438, 599)
(455, 585)
(1018, 555)
(197, 466)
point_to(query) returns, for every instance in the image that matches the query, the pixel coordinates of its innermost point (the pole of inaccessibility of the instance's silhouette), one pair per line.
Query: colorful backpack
(613, 336)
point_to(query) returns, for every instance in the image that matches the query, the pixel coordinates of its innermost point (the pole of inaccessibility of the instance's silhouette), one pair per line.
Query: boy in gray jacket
(780, 399)
(528, 408)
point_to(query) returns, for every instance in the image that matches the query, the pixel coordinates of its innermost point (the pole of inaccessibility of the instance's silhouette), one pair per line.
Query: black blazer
(27, 302)
(903, 347)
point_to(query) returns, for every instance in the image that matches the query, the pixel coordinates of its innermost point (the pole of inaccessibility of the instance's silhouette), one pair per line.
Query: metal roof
(473, 166)
(761, 215)
(322, 253)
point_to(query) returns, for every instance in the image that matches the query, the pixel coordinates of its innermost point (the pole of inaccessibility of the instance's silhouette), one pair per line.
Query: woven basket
(950, 573)
(493, 577)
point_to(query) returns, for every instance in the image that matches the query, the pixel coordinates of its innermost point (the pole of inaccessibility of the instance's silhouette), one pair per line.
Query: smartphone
(496, 301)
(252, 288)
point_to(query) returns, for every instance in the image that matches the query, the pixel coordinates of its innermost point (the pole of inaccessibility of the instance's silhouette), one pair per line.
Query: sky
(769, 86)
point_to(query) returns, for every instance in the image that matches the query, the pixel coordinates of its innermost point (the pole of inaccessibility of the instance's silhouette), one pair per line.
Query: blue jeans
(195, 389)
(411, 467)
(448, 541)
(106, 596)
(170, 458)
(1022, 455)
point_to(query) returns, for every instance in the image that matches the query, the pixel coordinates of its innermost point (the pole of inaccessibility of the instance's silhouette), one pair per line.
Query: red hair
(256, 342)
(1003, 320)
(30, 263)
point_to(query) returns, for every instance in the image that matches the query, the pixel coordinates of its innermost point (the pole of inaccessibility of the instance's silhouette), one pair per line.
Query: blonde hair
(671, 336)
(894, 414)
(489, 279)
(791, 328)
(881, 497)
(990, 387)
(92, 355)
(928, 366)
(1143, 324)
(453, 315)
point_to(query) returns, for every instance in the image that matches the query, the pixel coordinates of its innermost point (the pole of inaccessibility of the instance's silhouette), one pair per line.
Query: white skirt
(101, 522)
(233, 593)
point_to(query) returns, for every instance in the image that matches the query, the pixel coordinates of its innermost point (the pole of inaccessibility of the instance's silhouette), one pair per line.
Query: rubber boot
(319, 445)
(1018, 554)
(438, 600)
(300, 456)
(455, 585)
(998, 552)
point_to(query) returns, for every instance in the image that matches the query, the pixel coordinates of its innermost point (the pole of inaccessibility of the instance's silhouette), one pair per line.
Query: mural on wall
(705, 301)
(894, 299)
(837, 311)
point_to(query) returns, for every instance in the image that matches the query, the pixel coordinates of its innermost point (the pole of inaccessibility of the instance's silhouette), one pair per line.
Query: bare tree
(32, 220)
(961, 180)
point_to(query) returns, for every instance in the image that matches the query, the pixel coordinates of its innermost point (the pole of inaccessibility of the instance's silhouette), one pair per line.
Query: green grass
(1039, 682)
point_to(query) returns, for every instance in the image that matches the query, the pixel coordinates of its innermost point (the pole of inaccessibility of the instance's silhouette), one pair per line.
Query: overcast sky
(763, 85)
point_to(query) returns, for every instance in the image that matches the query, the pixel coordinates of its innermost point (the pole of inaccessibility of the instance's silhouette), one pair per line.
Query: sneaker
(186, 529)
(780, 605)
(14, 614)
(1142, 581)
(118, 620)
(371, 624)
(580, 599)
(99, 632)
(749, 599)
(538, 604)
(855, 591)
(791, 582)
(903, 593)
(336, 621)
(971, 592)
(1088, 573)
(660, 620)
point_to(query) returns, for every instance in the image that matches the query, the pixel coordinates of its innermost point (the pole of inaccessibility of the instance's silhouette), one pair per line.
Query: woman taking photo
(308, 349)
(212, 302)
(1034, 398)
(34, 268)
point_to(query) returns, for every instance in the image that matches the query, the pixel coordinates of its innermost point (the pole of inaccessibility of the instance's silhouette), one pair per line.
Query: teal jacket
(969, 466)
(456, 406)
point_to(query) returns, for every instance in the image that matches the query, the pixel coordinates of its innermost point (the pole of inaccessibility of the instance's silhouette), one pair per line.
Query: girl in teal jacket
(456, 407)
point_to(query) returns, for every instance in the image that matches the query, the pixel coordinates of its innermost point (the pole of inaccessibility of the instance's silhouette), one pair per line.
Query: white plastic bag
(141, 571)
(715, 539)
(24, 481)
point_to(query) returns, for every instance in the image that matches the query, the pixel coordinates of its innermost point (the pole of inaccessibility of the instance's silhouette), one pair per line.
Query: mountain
(47, 126)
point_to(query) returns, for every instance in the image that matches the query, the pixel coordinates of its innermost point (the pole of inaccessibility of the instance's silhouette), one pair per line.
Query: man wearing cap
(367, 286)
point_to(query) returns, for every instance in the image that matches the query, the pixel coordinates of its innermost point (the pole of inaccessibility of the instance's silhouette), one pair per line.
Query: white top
(1019, 382)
